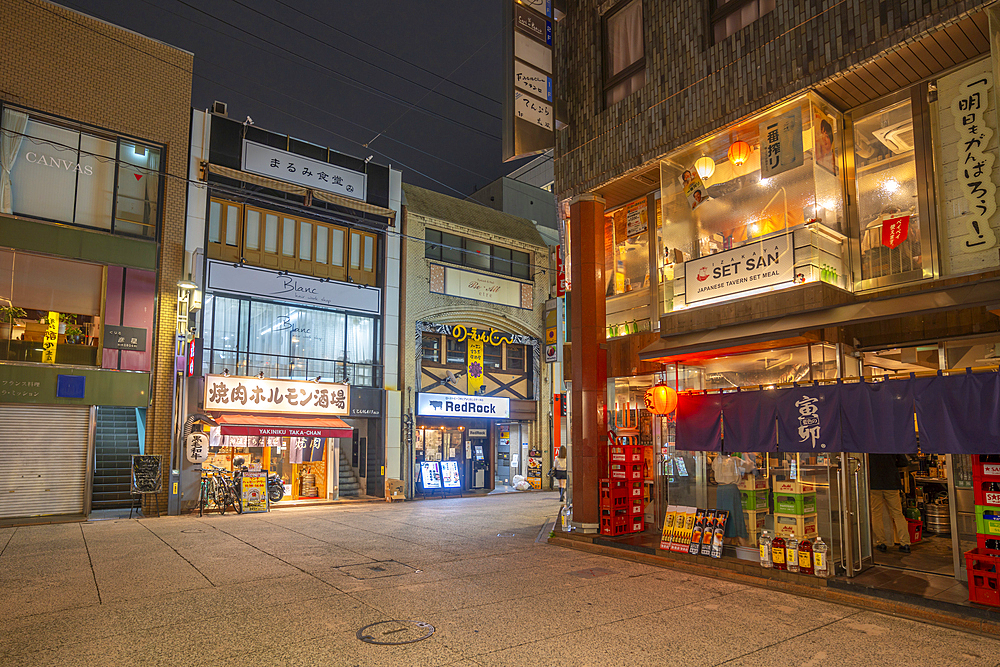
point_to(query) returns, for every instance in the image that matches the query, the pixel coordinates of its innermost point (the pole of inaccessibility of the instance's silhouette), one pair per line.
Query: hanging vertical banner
(809, 419)
(895, 229)
(975, 162)
(781, 144)
(475, 356)
(51, 339)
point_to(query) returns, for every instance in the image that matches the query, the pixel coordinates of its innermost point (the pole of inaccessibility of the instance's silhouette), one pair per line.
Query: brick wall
(693, 87)
(425, 306)
(60, 62)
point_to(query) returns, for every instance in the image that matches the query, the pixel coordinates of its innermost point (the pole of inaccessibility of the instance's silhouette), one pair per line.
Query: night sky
(310, 80)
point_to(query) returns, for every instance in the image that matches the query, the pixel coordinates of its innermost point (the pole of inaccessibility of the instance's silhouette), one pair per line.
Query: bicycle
(223, 491)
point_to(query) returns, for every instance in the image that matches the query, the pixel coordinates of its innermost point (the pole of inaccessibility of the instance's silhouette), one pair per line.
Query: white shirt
(729, 469)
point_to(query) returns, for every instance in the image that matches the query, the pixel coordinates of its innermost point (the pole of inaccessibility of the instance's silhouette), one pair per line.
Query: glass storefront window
(286, 341)
(62, 174)
(886, 180)
(760, 179)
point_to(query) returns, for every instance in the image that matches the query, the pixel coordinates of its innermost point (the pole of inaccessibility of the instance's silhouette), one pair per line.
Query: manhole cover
(395, 632)
(386, 568)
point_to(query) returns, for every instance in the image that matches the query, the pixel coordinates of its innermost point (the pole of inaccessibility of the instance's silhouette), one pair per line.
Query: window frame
(519, 262)
(720, 12)
(610, 81)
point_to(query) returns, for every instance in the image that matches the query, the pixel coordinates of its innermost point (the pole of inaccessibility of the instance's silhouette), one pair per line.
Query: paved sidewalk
(294, 587)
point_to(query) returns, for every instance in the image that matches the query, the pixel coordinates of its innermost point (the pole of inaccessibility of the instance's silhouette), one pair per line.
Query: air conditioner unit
(898, 138)
(220, 108)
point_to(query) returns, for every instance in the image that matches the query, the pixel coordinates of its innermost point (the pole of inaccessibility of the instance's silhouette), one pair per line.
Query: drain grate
(389, 633)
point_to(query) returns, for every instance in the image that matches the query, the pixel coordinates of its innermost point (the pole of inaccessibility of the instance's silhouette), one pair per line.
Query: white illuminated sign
(314, 174)
(448, 405)
(761, 264)
(289, 397)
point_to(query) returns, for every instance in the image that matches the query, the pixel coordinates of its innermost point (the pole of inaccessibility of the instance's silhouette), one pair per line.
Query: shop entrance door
(512, 452)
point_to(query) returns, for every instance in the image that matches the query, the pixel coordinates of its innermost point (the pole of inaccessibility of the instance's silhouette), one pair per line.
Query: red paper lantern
(661, 399)
(739, 152)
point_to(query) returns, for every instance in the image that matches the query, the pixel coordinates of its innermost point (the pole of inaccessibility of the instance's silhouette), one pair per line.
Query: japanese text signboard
(253, 495)
(289, 397)
(895, 229)
(51, 339)
(196, 447)
(313, 174)
(975, 162)
(766, 263)
(124, 338)
(781, 144)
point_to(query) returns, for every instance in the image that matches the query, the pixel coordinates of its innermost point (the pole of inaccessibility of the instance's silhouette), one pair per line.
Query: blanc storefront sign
(445, 405)
(762, 264)
(225, 277)
(314, 174)
(289, 397)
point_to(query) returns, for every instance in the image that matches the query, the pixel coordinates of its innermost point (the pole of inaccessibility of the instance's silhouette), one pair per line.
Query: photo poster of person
(824, 143)
(694, 188)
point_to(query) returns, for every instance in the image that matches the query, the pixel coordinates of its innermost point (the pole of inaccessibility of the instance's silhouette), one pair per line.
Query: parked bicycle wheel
(237, 499)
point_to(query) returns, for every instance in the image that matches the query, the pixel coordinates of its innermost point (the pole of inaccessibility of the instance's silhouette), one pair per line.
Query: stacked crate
(795, 508)
(621, 492)
(981, 562)
(753, 491)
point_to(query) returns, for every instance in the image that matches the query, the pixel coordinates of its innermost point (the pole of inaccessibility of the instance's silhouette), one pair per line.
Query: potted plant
(73, 335)
(9, 313)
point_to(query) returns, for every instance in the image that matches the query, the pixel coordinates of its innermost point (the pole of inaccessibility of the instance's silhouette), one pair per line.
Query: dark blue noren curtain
(699, 422)
(748, 421)
(958, 414)
(809, 419)
(878, 417)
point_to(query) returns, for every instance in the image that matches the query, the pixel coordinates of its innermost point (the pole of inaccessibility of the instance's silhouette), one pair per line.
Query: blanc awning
(284, 427)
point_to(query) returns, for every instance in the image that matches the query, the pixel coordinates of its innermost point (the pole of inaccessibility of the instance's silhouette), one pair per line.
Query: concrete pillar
(588, 357)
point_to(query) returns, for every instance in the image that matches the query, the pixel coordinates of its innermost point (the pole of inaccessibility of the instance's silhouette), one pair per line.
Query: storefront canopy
(284, 427)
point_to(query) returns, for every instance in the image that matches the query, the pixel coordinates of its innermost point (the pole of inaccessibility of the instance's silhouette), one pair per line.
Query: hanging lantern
(705, 166)
(661, 399)
(739, 153)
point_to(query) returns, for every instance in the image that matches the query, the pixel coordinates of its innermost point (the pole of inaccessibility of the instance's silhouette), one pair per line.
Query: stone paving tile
(869, 638)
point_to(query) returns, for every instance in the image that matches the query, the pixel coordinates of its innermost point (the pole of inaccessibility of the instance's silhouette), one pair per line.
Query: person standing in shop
(883, 491)
(728, 471)
(560, 475)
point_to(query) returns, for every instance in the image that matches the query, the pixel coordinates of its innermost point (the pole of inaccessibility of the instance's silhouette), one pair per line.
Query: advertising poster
(430, 474)
(636, 218)
(450, 475)
(781, 144)
(432, 445)
(694, 188)
(254, 492)
(475, 367)
(824, 152)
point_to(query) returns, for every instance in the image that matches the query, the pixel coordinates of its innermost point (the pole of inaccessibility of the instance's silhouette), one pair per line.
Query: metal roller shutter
(44, 453)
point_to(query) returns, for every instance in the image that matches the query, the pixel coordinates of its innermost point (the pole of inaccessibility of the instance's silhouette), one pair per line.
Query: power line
(241, 193)
(244, 94)
(388, 53)
(353, 82)
(309, 104)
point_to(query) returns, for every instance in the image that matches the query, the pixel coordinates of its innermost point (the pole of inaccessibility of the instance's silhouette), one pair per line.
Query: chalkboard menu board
(146, 474)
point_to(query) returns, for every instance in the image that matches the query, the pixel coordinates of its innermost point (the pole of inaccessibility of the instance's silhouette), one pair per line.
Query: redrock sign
(445, 405)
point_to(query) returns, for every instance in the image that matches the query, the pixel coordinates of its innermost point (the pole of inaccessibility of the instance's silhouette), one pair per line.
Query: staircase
(349, 484)
(116, 438)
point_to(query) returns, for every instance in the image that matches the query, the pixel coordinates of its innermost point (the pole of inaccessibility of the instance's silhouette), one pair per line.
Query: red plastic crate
(637, 524)
(625, 454)
(916, 530)
(984, 585)
(615, 494)
(985, 550)
(628, 472)
(988, 472)
(614, 522)
(982, 496)
(635, 506)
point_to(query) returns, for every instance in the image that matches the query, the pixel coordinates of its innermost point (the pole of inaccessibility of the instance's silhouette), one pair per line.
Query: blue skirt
(727, 497)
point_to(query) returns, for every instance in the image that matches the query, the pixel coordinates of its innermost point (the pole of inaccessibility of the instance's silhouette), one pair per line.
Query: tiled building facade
(80, 72)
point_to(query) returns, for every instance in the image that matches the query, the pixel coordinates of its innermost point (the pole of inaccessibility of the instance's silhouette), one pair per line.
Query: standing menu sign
(430, 474)
(450, 475)
(254, 492)
(146, 474)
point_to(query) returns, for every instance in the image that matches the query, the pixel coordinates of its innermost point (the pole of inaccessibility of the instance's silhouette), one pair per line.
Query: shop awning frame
(283, 427)
(969, 295)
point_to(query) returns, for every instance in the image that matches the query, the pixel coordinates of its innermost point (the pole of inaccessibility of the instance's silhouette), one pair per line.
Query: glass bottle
(805, 556)
(792, 553)
(778, 553)
(765, 550)
(820, 564)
